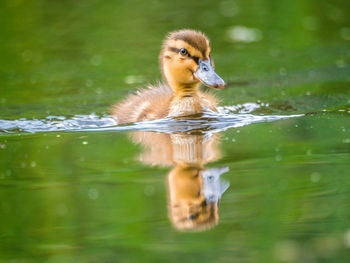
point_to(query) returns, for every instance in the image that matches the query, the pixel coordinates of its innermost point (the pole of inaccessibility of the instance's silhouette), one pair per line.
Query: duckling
(186, 62)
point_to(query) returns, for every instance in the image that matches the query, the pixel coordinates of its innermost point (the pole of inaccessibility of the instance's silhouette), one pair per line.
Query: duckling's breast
(185, 106)
(192, 105)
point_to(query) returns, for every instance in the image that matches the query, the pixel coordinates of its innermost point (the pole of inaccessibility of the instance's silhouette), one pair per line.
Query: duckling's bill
(207, 75)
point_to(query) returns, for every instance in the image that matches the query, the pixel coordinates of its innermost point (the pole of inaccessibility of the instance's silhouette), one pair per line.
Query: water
(263, 180)
(208, 121)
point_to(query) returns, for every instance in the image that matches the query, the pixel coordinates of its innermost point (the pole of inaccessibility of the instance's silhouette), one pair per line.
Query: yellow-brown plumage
(179, 95)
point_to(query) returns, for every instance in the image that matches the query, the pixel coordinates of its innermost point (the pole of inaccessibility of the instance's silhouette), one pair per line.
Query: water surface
(74, 187)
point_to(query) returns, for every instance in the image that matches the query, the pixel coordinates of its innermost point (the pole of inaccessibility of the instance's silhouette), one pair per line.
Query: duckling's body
(159, 101)
(185, 62)
(147, 104)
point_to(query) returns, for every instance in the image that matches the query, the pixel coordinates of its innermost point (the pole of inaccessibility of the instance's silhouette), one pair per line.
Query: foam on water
(56, 123)
(226, 117)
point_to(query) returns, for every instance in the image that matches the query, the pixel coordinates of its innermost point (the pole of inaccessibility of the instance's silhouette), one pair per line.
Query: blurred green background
(83, 197)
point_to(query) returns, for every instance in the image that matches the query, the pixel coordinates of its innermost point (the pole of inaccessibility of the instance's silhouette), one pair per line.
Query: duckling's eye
(183, 52)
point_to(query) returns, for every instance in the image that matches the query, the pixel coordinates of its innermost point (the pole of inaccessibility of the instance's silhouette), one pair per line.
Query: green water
(86, 196)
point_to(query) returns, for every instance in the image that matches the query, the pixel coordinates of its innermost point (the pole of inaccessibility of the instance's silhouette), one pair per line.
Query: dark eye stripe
(177, 50)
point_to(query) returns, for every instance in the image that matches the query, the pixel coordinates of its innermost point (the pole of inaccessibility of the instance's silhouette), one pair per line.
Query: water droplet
(84, 142)
(283, 72)
(310, 23)
(96, 60)
(27, 55)
(340, 63)
(133, 79)
(336, 14)
(244, 34)
(89, 83)
(93, 193)
(33, 79)
(315, 177)
(287, 251)
(98, 91)
(274, 52)
(149, 190)
(61, 210)
(347, 238)
(229, 8)
(345, 33)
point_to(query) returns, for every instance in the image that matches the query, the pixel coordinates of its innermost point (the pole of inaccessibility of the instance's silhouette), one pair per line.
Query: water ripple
(56, 123)
(205, 122)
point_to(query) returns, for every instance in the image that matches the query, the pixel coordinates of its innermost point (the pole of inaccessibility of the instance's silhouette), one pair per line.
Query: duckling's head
(186, 61)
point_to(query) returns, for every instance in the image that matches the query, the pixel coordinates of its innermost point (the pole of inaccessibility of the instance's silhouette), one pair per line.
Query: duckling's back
(147, 104)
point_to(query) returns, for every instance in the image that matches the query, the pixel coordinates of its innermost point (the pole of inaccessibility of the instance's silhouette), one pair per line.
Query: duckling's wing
(146, 104)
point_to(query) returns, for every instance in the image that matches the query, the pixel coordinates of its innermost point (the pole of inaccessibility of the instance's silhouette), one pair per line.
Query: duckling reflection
(193, 190)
